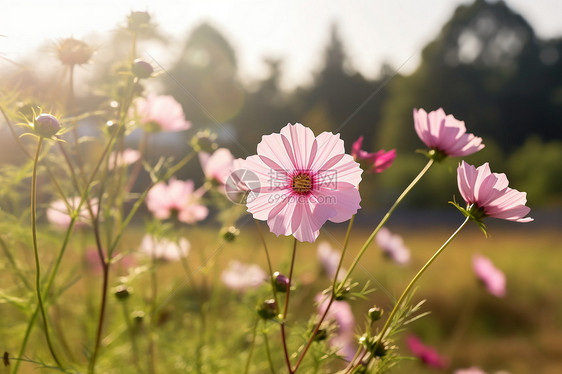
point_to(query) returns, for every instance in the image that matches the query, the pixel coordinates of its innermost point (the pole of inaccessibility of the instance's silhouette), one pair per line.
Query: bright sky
(374, 31)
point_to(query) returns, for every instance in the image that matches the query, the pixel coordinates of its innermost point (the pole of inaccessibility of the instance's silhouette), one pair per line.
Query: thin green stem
(252, 345)
(36, 251)
(267, 350)
(134, 347)
(383, 221)
(286, 308)
(270, 267)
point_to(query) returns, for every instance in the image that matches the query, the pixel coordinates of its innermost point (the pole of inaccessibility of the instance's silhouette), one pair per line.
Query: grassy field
(520, 333)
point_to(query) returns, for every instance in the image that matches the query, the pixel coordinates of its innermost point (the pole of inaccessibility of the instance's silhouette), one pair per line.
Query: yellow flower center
(302, 183)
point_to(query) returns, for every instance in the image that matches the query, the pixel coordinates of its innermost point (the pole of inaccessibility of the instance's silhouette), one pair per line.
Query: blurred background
(247, 68)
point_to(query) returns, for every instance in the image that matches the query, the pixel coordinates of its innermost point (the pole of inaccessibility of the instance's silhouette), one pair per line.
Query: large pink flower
(445, 134)
(304, 182)
(375, 162)
(239, 276)
(176, 197)
(487, 194)
(492, 278)
(161, 113)
(58, 213)
(217, 166)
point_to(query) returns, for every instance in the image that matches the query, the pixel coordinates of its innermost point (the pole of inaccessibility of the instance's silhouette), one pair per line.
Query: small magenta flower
(329, 259)
(240, 277)
(304, 182)
(491, 277)
(176, 197)
(444, 135)
(164, 249)
(373, 162)
(428, 355)
(341, 315)
(161, 113)
(487, 195)
(392, 246)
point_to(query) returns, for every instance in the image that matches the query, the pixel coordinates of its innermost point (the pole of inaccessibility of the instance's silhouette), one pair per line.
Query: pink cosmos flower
(59, 215)
(217, 166)
(120, 159)
(239, 276)
(374, 162)
(487, 194)
(304, 182)
(492, 278)
(161, 113)
(392, 246)
(329, 259)
(341, 315)
(176, 197)
(164, 249)
(428, 355)
(444, 133)
(472, 370)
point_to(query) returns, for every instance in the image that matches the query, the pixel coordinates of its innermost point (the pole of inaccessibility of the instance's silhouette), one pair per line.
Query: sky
(374, 31)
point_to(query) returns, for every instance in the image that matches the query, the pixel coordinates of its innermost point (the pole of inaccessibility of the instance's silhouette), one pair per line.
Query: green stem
(36, 251)
(252, 345)
(267, 350)
(270, 267)
(383, 221)
(413, 282)
(134, 347)
(286, 308)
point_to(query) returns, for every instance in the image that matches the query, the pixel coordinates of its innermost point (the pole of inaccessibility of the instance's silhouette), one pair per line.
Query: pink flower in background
(445, 134)
(58, 214)
(161, 113)
(489, 195)
(304, 182)
(426, 354)
(329, 259)
(217, 166)
(492, 278)
(239, 276)
(340, 313)
(120, 159)
(164, 249)
(392, 246)
(374, 162)
(176, 197)
(472, 370)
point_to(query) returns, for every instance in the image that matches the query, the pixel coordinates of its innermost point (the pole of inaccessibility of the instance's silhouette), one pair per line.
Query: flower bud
(138, 316)
(122, 292)
(142, 69)
(268, 309)
(230, 233)
(281, 282)
(204, 141)
(138, 20)
(321, 335)
(46, 125)
(375, 313)
(72, 51)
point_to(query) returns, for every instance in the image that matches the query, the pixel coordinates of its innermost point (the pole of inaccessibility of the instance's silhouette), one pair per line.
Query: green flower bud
(204, 141)
(46, 125)
(138, 316)
(268, 309)
(122, 292)
(142, 69)
(138, 20)
(375, 313)
(230, 233)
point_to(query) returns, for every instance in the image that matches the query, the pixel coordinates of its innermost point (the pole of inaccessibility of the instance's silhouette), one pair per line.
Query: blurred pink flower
(428, 355)
(217, 166)
(161, 113)
(304, 182)
(58, 214)
(374, 162)
(487, 194)
(392, 246)
(176, 197)
(492, 278)
(120, 159)
(339, 313)
(472, 370)
(445, 134)
(239, 276)
(164, 249)
(329, 259)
